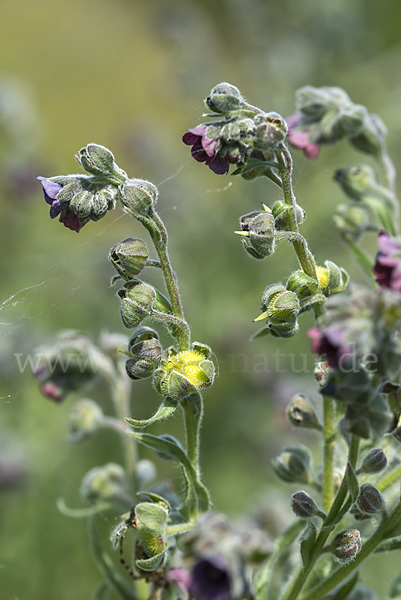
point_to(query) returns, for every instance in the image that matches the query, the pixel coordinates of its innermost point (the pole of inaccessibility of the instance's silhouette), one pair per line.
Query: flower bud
(356, 181)
(304, 506)
(374, 462)
(352, 119)
(281, 211)
(293, 464)
(103, 484)
(137, 301)
(259, 226)
(332, 279)
(145, 472)
(370, 500)
(225, 98)
(281, 308)
(301, 413)
(351, 220)
(371, 138)
(129, 257)
(138, 196)
(302, 284)
(98, 160)
(346, 545)
(85, 417)
(271, 129)
(183, 373)
(145, 352)
(315, 102)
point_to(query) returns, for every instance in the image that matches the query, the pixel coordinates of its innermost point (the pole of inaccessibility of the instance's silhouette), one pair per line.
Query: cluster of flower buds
(70, 365)
(145, 352)
(327, 115)
(294, 465)
(183, 373)
(138, 301)
(245, 136)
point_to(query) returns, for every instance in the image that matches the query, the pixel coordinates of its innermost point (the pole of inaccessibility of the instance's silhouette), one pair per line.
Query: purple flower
(331, 344)
(51, 190)
(204, 150)
(300, 138)
(210, 580)
(387, 267)
(52, 391)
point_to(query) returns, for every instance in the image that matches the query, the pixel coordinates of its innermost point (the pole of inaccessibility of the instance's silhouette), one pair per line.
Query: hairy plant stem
(329, 441)
(386, 525)
(300, 577)
(193, 414)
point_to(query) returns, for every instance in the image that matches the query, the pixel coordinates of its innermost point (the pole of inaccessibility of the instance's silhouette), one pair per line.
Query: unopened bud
(129, 257)
(293, 464)
(98, 160)
(271, 129)
(301, 413)
(280, 309)
(332, 279)
(370, 500)
(85, 418)
(259, 227)
(281, 211)
(145, 352)
(136, 303)
(138, 196)
(356, 181)
(351, 220)
(372, 136)
(104, 483)
(225, 98)
(346, 545)
(302, 284)
(304, 506)
(374, 462)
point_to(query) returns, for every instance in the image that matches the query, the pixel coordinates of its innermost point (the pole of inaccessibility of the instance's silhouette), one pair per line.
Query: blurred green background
(132, 75)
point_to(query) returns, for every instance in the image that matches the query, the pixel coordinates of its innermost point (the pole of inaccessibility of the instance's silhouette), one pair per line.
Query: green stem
(160, 239)
(193, 414)
(393, 477)
(370, 546)
(328, 525)
(329, 433)
(362, 257)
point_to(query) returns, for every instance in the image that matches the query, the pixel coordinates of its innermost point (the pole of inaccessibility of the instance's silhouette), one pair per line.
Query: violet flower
(300, 138)
(210, 580)
(51, 190)
(204, 150)
(387, 267)
(330, 343)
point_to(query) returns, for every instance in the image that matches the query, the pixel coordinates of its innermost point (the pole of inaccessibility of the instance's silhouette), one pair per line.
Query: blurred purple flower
(210, 580)
(51, 190)
(300, 138)
(330, 343)
(387, 267)
(204, 150)
(52, 391)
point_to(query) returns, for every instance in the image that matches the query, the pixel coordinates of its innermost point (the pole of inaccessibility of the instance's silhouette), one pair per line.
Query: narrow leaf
(166, 409)
(352, 482)
(308, 542)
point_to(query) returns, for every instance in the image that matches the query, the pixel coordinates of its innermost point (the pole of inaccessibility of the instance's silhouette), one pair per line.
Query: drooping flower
(387, 267)
(51, 190)
(204, 150)
(299, 136)
(210, 579)
(330, 343)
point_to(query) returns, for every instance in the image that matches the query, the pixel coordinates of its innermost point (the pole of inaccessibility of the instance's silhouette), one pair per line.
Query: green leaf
(254, 163)
(102, 591)
(347, 587)
(166, 409)
(80, 513)
(153, 563)
(308, 540)
(156, 498)
(106, 565)
(352, 482)
(152, 517)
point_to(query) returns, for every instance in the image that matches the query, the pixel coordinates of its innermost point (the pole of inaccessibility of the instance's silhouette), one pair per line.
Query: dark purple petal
(387, 267)
(329, 343)
(50, 189)
(193, 135)
(218, 165)
(55, 209)
(210, 580)
(198, 152)
(72, 222)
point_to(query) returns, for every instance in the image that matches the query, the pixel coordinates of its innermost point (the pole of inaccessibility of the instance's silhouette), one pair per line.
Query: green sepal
(255, 163)
(156, 498)
(106, 565)
(165, 410)
(204, 349)
(197, 497)
(154, 562)
(352, 482)
(310, 301)
(152, 517)
(308, 540)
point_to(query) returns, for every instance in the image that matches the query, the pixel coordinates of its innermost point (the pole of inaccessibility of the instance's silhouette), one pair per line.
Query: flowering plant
(182, 549)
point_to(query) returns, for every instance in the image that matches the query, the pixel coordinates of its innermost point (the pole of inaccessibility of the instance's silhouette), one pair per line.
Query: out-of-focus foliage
(131, 75)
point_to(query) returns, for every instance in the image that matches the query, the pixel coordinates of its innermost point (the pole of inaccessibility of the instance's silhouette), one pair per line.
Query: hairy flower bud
(302, 284)
(356, 181)
(304, 506)
(371, 137)
(271, 129)
(138, 196)
(301, 413)
(346, 545)
(98, 160)
(145, 352)
(259, 230)
(370, 500)
(137, 301)
(293, 464)
(104, 484)
(280, 309)
(332, 279)
(281, 211)
(316, 102)
(85, 418)
(183, 373)
(374, 462)
(351, 220)
(129, 257)
(225, 98)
